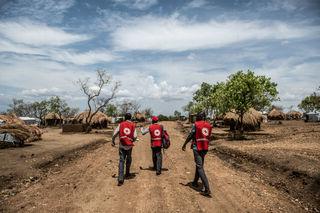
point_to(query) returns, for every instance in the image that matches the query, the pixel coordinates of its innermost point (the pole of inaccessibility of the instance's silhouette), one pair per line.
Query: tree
(111, 110)
(96, 98)
(310, 103)
(129, 106)
(40, 109)
(19, 108)
(148, 112)
(244, 90)
(58, 106)
(177, 114)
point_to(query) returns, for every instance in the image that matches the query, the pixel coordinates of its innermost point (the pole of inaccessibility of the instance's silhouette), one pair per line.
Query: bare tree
(96, 100)
(129, 106)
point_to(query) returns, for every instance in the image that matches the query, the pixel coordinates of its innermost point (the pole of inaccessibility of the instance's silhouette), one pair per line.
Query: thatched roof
(294, 115)
(17, 128)
(97, 118)
(252, 117)
(276, 115)
(139, 115)
(11, 119)
(53, 116)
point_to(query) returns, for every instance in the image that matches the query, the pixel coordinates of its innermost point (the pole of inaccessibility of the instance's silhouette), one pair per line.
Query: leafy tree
(310, 103)
(96, 98)
(111, 110)
(40, 109)
(58, 106)
(148, 112)
(19, 108)
(177, 114)
(244, 90)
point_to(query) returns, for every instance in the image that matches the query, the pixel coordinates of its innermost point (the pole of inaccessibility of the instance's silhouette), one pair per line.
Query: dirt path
(90, 185)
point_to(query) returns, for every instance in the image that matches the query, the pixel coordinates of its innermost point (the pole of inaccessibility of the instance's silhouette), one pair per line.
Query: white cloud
(85, 58)
(196, 3)
(38, 34)
(171, 34)
(137, 4)
(49, 10)
(41, 91)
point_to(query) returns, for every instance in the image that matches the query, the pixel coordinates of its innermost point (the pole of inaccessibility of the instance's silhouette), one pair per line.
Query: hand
(184, 147)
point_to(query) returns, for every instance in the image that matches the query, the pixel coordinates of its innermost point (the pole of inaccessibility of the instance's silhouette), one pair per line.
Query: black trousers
(125, 158)
(157, 158)
(199, 160)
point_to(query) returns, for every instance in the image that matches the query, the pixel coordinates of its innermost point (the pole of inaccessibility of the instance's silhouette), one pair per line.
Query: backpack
(165, 139)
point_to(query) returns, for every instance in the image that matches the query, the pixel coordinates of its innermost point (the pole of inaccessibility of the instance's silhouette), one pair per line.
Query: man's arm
(135, 135)
(144, 130)
(115, 134)
(190, 137)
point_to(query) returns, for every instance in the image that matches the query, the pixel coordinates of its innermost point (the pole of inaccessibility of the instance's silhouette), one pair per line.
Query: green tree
(148, 112)
(40, 109)
(19, 108)
(111, 110)
(177, 114)
(310, 103)
(244, 90)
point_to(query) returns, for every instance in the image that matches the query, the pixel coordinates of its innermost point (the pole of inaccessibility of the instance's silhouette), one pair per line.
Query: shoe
(120, 183)
(206, 193)
(195, 184)
(158, 173)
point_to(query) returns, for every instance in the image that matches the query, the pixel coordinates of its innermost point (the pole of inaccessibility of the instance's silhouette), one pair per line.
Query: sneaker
(120, 183)
(195, 184)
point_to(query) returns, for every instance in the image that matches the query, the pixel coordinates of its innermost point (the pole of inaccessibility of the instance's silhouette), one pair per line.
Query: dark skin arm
(189, 138)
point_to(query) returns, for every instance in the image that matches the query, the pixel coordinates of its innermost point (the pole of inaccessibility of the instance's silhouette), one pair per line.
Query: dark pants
(157, 158)
(125, 156)
(199, 160)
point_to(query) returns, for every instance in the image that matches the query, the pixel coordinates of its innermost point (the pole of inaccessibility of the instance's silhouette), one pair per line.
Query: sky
(160, 50)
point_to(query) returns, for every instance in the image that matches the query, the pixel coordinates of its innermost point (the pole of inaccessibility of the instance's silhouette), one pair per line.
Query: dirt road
(89, 184)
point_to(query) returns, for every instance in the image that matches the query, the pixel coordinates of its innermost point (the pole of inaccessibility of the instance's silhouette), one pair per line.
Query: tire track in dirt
(89, 185)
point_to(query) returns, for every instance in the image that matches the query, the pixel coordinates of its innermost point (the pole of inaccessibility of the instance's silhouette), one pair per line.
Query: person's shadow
(127, 177)
(150, 168)
(189, 184)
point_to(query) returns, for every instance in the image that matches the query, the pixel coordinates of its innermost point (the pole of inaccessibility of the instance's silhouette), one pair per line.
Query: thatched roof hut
(293, 115)
(53, 119)
(276, 115)
(18, 129)
(251, 119)
(10, 119)
(98, 120)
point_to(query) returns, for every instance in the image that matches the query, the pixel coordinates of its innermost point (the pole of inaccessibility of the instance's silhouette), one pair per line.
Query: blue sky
(160, 50)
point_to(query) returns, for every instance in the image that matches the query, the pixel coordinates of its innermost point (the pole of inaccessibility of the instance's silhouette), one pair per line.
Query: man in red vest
(200, 136)
(127, 134)
(156, 133)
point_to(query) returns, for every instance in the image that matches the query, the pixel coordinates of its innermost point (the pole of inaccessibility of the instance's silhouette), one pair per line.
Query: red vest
(203, 133)
(126, 133)
(156, 132)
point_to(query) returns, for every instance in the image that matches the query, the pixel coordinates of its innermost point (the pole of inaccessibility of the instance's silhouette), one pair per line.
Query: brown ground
(88, 183)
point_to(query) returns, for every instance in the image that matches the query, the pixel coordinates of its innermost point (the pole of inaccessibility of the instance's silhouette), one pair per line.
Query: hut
(53, 119)
(14, 130)
(251, 120)
(293, 115)
(276, 115)
(99, 120)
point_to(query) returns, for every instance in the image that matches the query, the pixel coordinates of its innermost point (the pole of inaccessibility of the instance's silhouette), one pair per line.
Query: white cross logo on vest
(157, 132)
(205, 131)
(127, 131)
